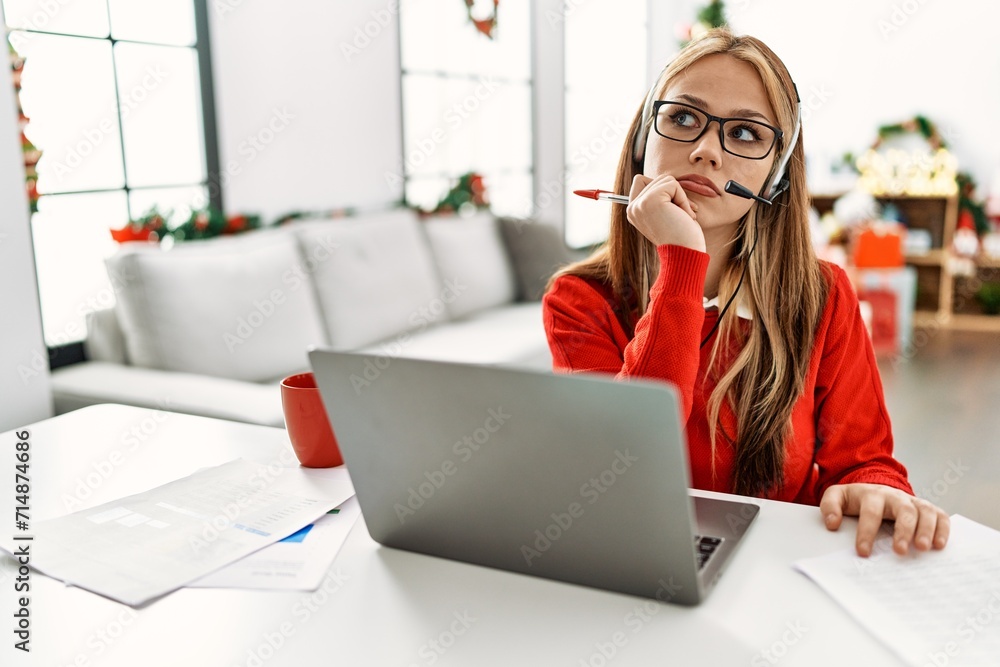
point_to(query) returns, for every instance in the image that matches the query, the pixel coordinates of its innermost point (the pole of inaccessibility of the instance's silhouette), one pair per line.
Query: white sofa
(210, 327)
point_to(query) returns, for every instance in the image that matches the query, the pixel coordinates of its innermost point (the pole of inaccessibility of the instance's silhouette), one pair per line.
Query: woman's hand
(661, 211)
(918, 522)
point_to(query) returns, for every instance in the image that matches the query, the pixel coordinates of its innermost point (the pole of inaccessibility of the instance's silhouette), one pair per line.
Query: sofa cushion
(536, 251)
(374, 277)
(93, 382)
(511, 335)
(472, 262)
(224, 307)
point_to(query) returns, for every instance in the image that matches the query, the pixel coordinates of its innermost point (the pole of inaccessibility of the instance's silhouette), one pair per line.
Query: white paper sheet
(138, 548)
(936, 608)
(299, 562)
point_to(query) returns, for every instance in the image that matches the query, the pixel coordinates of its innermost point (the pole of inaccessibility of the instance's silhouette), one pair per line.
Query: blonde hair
(784, 286)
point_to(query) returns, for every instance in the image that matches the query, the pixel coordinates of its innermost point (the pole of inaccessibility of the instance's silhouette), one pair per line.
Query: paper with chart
(140, 547)
(931, 608)
(299, 562)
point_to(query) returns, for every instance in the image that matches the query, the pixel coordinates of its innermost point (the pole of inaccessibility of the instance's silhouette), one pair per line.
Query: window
(113, 92)
(602, 95)
(466, 102)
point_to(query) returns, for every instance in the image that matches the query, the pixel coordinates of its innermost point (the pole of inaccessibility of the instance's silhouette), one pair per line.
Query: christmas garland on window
(31, 154)
(200, 224)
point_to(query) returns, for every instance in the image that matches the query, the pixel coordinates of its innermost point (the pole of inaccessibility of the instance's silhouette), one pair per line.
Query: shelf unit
(943, 299)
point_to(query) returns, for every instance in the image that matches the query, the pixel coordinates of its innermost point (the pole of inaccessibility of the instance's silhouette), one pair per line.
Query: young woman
(723, 297)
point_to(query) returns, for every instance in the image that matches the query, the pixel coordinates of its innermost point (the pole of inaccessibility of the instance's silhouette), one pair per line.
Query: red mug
(307, 423)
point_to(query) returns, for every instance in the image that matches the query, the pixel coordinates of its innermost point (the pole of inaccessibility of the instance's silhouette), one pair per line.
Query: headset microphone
(734, 188)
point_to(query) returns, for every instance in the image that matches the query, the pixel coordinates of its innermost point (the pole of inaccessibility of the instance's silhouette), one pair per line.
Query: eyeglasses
(738, 136)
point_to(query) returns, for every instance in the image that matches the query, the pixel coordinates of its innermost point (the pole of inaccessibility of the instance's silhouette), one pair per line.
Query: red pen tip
(589, 194)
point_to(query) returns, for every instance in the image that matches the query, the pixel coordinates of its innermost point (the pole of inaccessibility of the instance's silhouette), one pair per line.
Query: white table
(390, 607)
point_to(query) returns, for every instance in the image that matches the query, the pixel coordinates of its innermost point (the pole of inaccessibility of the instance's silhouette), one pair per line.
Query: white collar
(741, 310)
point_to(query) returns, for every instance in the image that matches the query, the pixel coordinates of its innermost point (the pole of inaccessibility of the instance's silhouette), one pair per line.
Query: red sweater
(840, 424)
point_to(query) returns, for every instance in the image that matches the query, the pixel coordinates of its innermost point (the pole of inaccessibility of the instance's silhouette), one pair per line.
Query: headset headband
(772, 188)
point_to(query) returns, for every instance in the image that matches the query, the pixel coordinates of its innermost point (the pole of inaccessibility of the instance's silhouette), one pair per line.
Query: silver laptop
(578, 478)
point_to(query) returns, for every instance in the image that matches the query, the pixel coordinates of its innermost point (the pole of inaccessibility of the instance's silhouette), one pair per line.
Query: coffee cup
(306, 421)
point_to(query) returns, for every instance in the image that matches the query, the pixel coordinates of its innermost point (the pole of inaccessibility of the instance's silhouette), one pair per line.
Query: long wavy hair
(784, 287)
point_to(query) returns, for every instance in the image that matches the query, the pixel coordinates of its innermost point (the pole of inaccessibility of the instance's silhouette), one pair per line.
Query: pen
(602, 194)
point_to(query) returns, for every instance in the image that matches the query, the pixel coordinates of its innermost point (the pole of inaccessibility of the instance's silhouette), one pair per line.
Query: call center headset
(777, 184)
(774, 187)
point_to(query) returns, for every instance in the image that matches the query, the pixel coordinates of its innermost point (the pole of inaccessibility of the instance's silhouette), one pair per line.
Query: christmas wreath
(488, 25)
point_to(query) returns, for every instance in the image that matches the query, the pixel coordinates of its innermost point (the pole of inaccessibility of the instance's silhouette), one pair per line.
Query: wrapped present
(892, 294)
(878, 247)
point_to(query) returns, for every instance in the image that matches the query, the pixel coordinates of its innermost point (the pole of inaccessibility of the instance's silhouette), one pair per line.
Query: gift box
(877, 248)
(884, 328)
(892, 294)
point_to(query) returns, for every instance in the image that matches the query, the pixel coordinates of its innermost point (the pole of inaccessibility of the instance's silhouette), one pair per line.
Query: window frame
(406, 175)
(74, 352)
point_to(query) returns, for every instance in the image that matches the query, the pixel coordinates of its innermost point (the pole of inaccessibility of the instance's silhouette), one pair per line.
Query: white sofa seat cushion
(94, 382)
(472, 261)
(224, 307)
(374, 277)
(511, 335)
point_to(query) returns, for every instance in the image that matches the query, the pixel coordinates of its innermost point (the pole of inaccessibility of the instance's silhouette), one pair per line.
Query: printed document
(299, 562)
(930, 608)
(141, 547)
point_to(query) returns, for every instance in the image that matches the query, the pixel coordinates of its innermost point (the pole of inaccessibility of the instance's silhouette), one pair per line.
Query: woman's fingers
(906, 515)
(933, 526)
(918, 523)
(667, 188)
(661, 211)
(942, 529)
(638, 184)
(870, 516)
(832, 506)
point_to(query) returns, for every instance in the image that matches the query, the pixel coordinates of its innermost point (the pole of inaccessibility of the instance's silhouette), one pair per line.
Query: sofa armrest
(94, 382)
(105, 340)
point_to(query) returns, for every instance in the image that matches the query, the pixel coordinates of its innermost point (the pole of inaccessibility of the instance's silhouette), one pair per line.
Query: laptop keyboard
(705, 546)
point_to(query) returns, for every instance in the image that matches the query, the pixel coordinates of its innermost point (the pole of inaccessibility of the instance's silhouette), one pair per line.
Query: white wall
(25, 394)
(344, 136)
(320, 82)
(859, 69)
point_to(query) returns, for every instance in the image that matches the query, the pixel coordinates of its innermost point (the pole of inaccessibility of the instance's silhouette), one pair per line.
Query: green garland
(468, 192)
(203, 223)
(919, 124)
(712, 15)
(975, 208)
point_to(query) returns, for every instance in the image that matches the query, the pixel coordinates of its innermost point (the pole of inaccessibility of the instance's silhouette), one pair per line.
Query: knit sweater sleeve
(585, 335)
(853, 434)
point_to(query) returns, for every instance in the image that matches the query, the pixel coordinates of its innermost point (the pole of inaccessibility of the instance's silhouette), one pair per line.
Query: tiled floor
(944, 402)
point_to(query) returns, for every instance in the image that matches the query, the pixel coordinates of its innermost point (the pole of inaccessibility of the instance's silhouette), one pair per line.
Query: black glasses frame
(722, 122)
